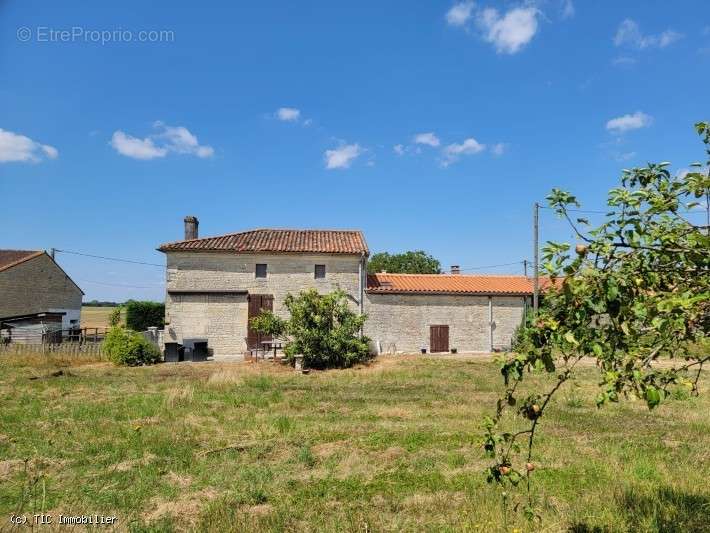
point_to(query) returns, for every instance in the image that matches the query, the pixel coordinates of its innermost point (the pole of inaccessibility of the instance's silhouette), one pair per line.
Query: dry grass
(393, 446)
(97, 317)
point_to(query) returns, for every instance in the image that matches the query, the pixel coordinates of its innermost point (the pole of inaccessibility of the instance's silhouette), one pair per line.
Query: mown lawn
(389, 447)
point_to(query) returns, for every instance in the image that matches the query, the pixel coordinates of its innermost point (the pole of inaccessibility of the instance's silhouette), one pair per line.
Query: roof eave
(450, 293)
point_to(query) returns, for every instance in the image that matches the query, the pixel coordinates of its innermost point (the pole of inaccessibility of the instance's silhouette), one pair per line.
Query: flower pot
(423, 350)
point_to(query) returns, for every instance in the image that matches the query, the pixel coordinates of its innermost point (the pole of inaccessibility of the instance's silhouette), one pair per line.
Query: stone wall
(400, 323)
(222, 318)
(37, 286)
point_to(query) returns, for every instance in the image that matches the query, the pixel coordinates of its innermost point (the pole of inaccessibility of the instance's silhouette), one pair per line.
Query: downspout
(361, 289)
(361, 284)
(490, 323)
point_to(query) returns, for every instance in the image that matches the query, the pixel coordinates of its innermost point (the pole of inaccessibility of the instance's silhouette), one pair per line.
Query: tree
(322, 328)
(417, 262)
(634, 290)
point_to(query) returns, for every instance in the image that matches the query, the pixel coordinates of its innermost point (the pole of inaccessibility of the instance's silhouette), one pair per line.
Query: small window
(320, 271)
(261, 270)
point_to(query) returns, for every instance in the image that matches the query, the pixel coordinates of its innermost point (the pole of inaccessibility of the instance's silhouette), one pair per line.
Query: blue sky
(428, 125)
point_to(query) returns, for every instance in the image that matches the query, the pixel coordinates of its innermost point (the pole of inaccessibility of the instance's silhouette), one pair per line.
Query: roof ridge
(31, 254)
(253, 230)
(449, 274)
(348, 241)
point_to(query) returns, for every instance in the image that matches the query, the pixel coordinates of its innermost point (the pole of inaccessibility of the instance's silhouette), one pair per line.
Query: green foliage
(322, 328)
(633, 290)
(129, 348)
(417, 262)
(142, 315)
(114, 318)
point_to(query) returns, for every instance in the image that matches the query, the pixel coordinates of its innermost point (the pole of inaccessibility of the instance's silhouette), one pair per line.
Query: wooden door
(439, 339)
(257, 304)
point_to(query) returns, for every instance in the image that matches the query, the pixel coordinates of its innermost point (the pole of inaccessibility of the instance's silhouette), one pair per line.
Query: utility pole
(536, 267)
(525, 267)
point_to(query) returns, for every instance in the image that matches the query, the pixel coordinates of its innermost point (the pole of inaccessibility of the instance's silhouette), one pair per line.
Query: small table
(268, 345)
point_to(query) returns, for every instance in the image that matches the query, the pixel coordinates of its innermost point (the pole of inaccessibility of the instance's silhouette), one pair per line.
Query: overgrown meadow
(392, 446)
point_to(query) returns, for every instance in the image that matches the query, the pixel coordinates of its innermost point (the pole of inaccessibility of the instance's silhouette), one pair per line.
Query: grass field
(96, 317)
(388, 447)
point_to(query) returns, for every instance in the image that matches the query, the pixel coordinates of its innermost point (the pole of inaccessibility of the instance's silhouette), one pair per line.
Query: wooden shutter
(257, 304)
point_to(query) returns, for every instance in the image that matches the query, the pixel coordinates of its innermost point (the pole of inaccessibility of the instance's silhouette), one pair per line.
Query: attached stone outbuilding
(441, 312)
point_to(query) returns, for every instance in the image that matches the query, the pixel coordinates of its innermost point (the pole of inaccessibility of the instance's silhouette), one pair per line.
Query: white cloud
(510, 32)
(429, 139)
(342, 157)
(499, 149)
(629, 34)
(567, 9)
(460, 13)
(50, 151)
(176, 139)
(625, 156)
(629, 122)
(399, 149)
(180, 140)
(18, 148)
(623, 61)
(454, 151)
(136, 148)
(288, 114)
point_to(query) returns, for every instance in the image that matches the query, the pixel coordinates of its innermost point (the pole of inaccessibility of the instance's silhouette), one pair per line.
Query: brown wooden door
(257, 304)
(439, 339)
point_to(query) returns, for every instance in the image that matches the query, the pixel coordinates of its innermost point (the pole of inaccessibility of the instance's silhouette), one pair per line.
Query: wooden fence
(69, 349)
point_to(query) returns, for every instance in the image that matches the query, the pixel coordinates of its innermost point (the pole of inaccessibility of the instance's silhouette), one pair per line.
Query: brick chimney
(191, 224)
(455, 269)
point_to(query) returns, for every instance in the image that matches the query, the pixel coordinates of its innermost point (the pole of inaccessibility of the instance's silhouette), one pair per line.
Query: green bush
(129, 348)
(142, 315)
(322, 328)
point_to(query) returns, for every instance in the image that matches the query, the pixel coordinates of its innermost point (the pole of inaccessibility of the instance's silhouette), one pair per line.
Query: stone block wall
(223, 318)
(400, 322)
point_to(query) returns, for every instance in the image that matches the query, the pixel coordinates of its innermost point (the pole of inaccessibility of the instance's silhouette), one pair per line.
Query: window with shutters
(261, 270)
(320, 271)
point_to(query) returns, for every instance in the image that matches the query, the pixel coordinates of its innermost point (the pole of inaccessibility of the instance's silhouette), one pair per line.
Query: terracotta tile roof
(10, 258)
(450, 284)
(277, 241)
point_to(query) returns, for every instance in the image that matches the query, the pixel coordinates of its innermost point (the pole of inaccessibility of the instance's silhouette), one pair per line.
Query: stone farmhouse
(214, 285)
(36, 295)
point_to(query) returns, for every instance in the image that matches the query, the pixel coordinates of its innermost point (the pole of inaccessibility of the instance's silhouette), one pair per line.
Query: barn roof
(277, 241)
(451, 284)
(10, 258)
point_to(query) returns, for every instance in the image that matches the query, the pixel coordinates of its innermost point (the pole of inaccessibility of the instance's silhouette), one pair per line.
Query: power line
(109, 258)
(121, 285)
(492, 266)
(611, 210)
(591, 211)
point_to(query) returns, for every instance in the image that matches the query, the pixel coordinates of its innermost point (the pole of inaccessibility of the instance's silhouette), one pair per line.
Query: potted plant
(454, 350)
